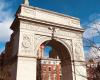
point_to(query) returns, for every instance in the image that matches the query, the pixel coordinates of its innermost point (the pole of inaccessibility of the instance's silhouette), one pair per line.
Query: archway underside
(53, 62)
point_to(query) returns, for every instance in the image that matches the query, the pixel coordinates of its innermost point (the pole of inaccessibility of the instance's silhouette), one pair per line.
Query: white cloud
(6, 18)
(93, 32)
(4, 30)
(94, 27)
(94, 53)
(90, 32)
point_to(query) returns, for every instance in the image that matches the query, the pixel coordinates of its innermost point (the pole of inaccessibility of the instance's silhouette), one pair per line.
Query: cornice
(20, 17)
(49, 11)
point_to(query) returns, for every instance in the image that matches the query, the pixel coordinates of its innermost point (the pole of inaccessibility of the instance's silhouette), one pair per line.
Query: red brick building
(49, 69)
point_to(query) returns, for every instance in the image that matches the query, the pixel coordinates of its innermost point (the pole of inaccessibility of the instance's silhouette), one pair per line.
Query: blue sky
(85, 10)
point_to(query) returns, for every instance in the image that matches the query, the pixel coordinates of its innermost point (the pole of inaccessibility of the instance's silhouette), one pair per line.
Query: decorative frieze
(78, 50)
(28, 26)
(28, 12)
(49, 16)
(26, 43)
(68, 33)
(45, 29)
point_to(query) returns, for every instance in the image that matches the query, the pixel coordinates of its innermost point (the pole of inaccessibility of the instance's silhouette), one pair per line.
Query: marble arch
(30, 29)
(64, 57)
(59, 40)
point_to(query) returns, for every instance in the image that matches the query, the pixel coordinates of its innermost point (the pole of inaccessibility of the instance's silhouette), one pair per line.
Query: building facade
(49, 69)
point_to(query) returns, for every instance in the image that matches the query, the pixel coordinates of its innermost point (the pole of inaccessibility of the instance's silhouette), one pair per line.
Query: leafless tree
(92, 44)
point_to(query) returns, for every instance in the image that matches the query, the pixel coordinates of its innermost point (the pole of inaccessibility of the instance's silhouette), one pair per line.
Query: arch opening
(53, 61)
